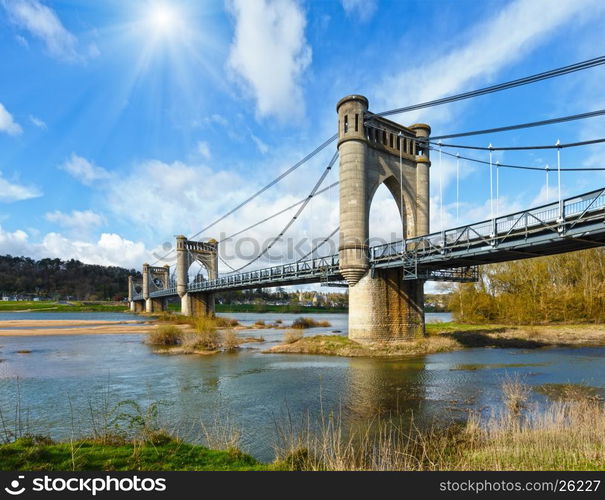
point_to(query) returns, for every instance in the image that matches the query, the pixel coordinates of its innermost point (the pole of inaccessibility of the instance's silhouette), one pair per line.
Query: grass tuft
(229, 340)
(291, 336)
(166, 335)
(302, 323)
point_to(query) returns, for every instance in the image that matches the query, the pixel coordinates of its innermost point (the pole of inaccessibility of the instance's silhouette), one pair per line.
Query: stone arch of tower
(189, 252)
(373, 151)
(206, 254)
(159, 277)
(205, 258)
(401, 196)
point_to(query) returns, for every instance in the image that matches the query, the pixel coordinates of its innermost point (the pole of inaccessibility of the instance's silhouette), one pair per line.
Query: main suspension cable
(284, 174)
(276, 214)
(319, 245)
(590, 63)
(518, 126)
(296, 215)
(272, 183)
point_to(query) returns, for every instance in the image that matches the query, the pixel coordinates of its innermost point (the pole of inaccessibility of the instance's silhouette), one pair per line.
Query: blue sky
(123, 124)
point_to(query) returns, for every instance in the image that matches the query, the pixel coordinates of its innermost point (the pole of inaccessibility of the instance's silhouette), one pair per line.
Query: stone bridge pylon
(383, 303)
(206, 254)
(375, 151)
(154, 278)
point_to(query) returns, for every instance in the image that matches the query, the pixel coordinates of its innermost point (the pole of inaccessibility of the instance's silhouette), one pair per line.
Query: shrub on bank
(309, 323)
(225, 322)
(204, 324)
(229, 340)
(168, 335)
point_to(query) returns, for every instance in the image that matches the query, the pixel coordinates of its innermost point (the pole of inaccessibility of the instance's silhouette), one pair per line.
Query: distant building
(318, 299)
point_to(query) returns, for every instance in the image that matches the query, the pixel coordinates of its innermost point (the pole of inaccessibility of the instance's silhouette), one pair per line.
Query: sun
(163, 19)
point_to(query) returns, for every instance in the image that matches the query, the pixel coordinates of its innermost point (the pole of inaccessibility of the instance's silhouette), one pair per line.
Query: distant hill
(56, 279)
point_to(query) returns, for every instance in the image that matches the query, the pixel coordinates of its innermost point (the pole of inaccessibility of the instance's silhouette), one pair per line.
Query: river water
(57, 383)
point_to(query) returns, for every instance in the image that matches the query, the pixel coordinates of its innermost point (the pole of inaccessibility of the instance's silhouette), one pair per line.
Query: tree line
(559, 288)
(58, 279)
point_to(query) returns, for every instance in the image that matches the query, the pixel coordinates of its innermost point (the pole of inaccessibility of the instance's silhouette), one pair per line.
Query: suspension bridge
(385, 282)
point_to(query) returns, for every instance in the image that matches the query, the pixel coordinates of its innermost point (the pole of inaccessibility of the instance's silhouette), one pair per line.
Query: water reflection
(64, 376)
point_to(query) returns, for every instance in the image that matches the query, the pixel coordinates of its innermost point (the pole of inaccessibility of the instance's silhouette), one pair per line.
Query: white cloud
(361, 9)
(37, 122)
(269, 52)
(10, 192)
(85, 171)
(13, 243)
(182, 199)
(181, 196)
(43, 23)
(7, 122)
(109, 249)
(203, 148)
(81, 221)
(508, 36)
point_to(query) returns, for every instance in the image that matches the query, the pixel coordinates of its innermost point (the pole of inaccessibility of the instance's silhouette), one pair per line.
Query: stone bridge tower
(374, 150)
(188, 252)
(155, 278)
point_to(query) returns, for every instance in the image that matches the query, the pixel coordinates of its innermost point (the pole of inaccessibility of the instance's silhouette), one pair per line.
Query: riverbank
(161, 452)
(61, 307)
(565, 433)
(146, 323)
(35, 328)
(444, 337)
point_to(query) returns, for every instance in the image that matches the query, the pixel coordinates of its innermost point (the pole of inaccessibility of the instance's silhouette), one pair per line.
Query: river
(56, 383)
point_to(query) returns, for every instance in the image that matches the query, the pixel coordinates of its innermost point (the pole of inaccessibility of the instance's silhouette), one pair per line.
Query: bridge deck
(574, 224)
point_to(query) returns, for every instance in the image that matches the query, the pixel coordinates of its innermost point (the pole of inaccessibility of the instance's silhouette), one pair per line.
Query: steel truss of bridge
(574, 223)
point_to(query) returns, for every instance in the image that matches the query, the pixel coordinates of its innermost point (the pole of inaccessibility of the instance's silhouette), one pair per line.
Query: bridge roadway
(451, 255)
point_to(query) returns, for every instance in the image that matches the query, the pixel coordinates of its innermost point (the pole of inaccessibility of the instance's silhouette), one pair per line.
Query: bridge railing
(307, 268)
(554, 217)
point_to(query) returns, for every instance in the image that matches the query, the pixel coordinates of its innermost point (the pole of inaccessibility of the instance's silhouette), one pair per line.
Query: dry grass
(222, 434)
(204, 324)
(170, 317)
(567, 435)
(377, 445)
(229, 340)
(291, 336)
(166, 335)
(225, 322)
(515, 394)
(203, 338)
(564, 435)
(206, 341)
(301, 323)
